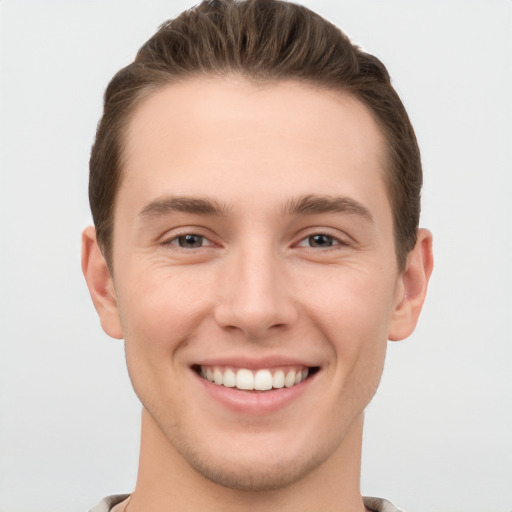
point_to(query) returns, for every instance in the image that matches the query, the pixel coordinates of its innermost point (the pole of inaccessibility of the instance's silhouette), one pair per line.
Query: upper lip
(255, 363)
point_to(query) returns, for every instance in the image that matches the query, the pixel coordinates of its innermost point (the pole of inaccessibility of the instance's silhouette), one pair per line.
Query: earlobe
(413, 287)
(100, 284)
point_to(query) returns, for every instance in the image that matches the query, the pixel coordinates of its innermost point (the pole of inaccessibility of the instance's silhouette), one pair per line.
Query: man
(255, 187)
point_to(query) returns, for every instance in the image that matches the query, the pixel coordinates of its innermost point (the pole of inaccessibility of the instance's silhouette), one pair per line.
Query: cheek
(353, 313)
(160, 300)
(354, 306)
(159, 315)
(160, 311)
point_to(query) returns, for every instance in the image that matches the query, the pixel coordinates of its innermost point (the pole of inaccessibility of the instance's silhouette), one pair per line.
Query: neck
(166, 482)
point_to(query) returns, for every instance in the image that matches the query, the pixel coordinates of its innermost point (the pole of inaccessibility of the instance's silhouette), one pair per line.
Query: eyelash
(333, 241)
(176, 241)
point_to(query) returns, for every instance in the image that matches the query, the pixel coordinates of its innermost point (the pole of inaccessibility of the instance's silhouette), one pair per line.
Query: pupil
(320, 241)
(189, 241)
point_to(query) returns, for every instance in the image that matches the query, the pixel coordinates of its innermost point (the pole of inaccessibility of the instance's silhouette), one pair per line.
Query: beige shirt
(374, 504)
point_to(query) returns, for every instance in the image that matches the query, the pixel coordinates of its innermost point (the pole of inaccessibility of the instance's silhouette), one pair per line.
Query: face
(255, 276)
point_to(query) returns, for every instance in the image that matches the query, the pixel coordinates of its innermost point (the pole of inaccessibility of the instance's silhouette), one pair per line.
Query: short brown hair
(263, 40)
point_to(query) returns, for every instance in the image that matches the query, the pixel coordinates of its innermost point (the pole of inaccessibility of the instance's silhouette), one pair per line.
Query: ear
(100, 284)
(412, 287)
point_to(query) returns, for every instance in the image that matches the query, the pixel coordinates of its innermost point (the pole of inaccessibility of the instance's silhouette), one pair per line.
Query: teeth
(278, 379)
(217, 376)
(244, 379)
(229, 379)
(289, 380)
(261, 380)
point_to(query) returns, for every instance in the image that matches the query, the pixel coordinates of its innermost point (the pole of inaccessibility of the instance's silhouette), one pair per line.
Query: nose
(254, 296)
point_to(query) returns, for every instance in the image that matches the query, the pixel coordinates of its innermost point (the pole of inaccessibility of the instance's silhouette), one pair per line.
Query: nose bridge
(253, 292)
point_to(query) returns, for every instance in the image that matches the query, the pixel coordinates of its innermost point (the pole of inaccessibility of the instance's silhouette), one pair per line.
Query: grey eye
(190, 241)
(320, 241)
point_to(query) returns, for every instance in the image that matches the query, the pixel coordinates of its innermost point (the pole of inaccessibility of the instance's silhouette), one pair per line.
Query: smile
(254, 380)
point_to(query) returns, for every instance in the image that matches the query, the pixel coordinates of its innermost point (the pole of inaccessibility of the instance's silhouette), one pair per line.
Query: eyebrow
(170, 204)
(304, 205)
(317, 204)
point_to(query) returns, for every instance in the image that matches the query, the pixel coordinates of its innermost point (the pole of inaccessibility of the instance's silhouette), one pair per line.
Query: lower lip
(255, 402)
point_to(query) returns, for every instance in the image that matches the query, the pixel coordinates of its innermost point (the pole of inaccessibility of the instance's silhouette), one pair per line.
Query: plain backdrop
(439, 432)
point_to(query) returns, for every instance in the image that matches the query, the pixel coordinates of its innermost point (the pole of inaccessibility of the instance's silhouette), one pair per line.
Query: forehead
(235, 138)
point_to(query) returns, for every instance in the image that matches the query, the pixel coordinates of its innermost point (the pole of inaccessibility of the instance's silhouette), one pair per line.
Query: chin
(247, 474)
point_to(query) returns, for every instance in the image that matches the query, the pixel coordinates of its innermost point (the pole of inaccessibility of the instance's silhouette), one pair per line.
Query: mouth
(260, 380)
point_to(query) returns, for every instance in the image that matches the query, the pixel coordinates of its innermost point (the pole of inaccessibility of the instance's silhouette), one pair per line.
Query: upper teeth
(260, 380)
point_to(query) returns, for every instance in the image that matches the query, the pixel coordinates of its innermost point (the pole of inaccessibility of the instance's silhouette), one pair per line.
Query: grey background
(438, 434)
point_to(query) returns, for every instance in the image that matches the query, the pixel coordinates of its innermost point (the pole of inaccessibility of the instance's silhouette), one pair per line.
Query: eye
(319, 240)
(190, 241)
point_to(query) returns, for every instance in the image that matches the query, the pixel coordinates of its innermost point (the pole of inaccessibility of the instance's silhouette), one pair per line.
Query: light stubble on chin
(239, 474)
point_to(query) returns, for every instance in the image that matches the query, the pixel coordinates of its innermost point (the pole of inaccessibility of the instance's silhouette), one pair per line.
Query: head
(263, 41)
(255, 187)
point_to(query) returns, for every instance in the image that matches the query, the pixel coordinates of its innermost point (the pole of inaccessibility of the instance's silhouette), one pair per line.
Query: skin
(257, 289)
